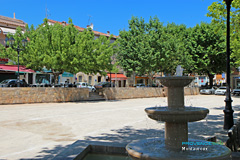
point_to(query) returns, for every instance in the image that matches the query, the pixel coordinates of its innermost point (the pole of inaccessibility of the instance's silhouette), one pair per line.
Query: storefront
(219, 79)
(235, 82)
(42, 78)
(66, 77)
(11, 72)
(118, 79)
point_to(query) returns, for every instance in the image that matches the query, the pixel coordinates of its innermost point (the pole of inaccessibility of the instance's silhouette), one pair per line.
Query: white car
(86, 85)
(221, 91)
(208, 91)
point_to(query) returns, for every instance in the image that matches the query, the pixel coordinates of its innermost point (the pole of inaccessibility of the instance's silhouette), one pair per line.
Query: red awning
(116, 76)
(14, 68)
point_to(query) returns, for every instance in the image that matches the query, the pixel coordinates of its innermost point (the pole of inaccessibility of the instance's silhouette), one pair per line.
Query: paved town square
(41, 131)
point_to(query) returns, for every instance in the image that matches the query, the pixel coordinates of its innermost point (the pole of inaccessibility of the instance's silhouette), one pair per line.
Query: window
(139, 81)
(129, 74)
(99, 78)
(6, 40)
(43, 78)
(90, 80)
(79, 78)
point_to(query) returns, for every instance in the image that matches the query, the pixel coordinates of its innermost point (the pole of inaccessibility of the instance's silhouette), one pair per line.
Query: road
(43, 130)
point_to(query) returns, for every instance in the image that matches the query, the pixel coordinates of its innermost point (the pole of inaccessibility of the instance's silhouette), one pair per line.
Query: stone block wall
(132, 92)
(41, 95)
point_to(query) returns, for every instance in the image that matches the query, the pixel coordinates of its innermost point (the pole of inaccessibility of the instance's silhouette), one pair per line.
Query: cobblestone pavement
(41, 131)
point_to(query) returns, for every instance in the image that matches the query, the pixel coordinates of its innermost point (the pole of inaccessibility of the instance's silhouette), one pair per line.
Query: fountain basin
(176, 81)
(177, 115)
(155, 149)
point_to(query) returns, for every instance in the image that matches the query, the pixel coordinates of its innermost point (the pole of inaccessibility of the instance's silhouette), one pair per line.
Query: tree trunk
(211, 76)
(150, 76)
(133, 78)
(56, 75)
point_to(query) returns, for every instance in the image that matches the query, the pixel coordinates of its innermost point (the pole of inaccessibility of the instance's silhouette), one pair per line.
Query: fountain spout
(179, 71)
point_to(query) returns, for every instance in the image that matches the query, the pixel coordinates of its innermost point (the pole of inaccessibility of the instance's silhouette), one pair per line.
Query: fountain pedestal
(175, 134)
(176, 117)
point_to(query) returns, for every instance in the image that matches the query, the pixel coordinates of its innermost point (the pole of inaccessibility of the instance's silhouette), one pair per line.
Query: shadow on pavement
(120, 137)
(209, 127)
(212, 126)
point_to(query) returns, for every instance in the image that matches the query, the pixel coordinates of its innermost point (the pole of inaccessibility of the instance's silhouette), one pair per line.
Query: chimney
(91, 26)
(64, 23)
(14, 16)
(108, 32)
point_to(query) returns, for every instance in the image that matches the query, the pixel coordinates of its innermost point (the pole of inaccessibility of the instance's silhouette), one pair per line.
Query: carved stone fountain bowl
(155, 149)
(176, 81)
(186, 114)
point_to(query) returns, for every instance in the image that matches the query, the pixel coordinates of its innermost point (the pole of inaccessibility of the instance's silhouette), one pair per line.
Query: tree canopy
(206, 44)
(64, 49)
(217, 10)
(149, 47)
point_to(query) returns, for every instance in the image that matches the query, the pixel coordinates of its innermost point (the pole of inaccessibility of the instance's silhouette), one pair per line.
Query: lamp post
(228, 112)
(18, 49)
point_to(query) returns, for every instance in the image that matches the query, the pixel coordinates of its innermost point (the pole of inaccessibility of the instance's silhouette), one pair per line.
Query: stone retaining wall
(48, 95)
(42, 95)
(132, 92)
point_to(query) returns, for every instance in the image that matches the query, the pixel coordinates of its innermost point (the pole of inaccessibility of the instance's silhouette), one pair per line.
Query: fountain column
(176, 97)
(176, 132)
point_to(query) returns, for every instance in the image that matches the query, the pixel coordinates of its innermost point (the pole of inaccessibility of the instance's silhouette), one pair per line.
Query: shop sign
(3, 60)
(66, 74)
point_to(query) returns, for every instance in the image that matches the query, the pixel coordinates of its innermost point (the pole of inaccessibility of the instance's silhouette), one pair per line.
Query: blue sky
(108, 15)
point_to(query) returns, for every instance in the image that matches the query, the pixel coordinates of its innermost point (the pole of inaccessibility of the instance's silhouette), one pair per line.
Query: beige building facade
(9, 25)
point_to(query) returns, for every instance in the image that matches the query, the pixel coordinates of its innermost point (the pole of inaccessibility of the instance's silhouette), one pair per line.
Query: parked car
(153, 85)
(140, 85)
(13, 83)
(104, 84)
(85, 85)
(236, 91)
(92, 88)
(221, 90)
(208, 90)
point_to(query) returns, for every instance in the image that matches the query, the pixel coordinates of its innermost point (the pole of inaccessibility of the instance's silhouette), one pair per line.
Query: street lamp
(18, 49)
(228, 112)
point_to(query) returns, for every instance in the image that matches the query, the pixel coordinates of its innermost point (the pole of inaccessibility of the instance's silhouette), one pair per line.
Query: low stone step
(94, 96)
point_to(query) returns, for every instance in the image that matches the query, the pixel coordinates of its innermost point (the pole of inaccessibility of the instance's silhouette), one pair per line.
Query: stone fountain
(176, 116)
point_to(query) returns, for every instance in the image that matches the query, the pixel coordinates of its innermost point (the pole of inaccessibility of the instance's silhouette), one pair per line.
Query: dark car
(104, 84)
(236, 91)
(153, 85)
(13, 83)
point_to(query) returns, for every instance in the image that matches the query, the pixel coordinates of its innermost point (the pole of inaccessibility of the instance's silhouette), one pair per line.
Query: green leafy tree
(63, 49)
(207, 48)
(174, 50)
(147, 48)
(51, 46)
(218, 12)
(66, 49)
